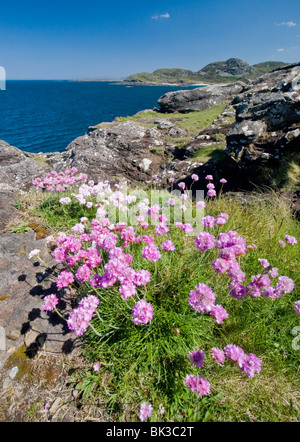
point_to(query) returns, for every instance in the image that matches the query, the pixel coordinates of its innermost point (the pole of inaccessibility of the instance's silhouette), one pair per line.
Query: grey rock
(199, 98)
(17, 167)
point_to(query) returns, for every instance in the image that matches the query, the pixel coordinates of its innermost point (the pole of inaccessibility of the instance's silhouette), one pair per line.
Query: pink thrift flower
(195, 177)
(223, 181)
(145, 411)
(168, 246)
(208, 221)
(151, 253)
(202, 298)
(197, 384)
(209, 177)
(142, 277)
(171, 202)
(273, 272)
(264, 263)
(205, 241)
(181, 185)
(235, 353)
(200, 205)
(290, 239)
(83, 273)
(96, 366)
(219, 312)
(297, 307)
(218, 355)
(251, 365)
(64, 279)
(281, 243)
(50, 302)
(89, 303)
(78, 320)
(197, 358)
(285, 284)
(142, 312)
(211, 192)
(161, 228)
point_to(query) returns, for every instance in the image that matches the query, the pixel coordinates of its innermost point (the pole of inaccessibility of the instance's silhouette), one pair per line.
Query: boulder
(18, 168)
(120, 150)
(200, 98)
(267, 117)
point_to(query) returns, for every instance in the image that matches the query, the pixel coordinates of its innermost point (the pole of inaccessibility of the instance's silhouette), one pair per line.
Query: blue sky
(97, 39)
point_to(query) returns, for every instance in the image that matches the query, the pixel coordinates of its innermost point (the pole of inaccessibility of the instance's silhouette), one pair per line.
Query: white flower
(33, 253)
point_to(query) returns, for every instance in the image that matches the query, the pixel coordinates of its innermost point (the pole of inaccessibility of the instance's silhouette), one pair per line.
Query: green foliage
(21, 228)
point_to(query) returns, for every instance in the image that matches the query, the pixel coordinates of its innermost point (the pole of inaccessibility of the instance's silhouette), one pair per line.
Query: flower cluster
(105, 257)
(60, 182)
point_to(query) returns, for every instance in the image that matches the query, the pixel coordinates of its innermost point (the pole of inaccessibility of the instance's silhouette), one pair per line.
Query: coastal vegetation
(142, 367)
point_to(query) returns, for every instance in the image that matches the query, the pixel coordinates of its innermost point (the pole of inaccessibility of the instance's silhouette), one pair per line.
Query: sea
(46, 115)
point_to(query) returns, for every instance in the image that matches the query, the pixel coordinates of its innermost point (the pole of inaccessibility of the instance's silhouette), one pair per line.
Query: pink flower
(96, 366)
(145, 411)
(161, 228)
(171, 202)
(197, 384)
(151, 253)
(50, 302)
(78, 320)
(197, 358)
(168, 246)
(64, 279)
(89, 303)
(264, 263)
(235, 353)
(83, 273)
(285, 284)
(297, 307)
(181, 185)
(223, 181)
(218, 355)
(290, 239)
(202, 298)
(208, 221)
(200, 205)
(205, 241)
(211, 193)
(219, 312)
(142, 312)
(209, 177)
(142, 277)
(171, 180)
(281, 243)
(195, 177)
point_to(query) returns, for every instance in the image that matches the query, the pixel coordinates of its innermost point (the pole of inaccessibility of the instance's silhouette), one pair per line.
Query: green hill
(227, 71)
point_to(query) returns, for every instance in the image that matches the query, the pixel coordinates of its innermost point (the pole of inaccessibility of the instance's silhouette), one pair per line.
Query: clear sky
(59, 39)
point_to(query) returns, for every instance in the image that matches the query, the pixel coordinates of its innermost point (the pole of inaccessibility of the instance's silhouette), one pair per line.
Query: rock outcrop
(200, 98)
(125, 149)
(267, 118)
(17, 168)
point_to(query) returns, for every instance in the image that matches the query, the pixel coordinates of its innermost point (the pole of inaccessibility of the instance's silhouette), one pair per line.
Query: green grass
(149, 363)
(192, 122)
(212, 152)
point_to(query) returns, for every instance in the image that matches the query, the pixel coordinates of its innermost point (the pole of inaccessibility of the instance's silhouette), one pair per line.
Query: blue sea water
(45, 116)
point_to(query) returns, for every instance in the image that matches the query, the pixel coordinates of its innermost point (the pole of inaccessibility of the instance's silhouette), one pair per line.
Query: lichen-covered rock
(18, 168)
(200, 98)
(267, 117)
(120, 150)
